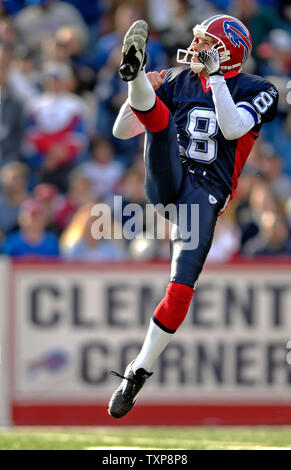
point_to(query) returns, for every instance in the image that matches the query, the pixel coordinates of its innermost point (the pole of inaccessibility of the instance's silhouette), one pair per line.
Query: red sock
(156, 119)
(172, 310)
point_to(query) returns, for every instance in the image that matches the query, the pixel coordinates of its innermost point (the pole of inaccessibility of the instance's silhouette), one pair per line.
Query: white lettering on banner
(71, 330)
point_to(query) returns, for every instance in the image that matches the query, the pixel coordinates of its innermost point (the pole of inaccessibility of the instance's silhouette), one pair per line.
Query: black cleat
(133, 50)
(124, 398)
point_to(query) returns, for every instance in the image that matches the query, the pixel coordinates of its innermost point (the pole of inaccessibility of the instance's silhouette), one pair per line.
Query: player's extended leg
(162, 159)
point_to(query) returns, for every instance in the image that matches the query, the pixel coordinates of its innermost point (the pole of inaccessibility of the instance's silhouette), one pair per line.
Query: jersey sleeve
(261, 100)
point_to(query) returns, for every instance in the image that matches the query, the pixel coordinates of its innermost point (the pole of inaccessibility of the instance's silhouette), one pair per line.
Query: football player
(201, 122)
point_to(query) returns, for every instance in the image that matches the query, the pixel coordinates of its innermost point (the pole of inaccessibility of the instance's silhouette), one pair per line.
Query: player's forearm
(234, 122)
(127, 124)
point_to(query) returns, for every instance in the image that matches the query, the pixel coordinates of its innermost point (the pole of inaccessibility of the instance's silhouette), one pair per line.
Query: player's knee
(172, 310)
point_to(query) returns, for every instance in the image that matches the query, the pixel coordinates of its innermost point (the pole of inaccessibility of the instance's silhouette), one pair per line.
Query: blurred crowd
(60, 95)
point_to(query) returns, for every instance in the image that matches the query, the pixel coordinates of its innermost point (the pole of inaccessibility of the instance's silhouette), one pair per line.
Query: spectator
(272, 166)
(132, 191)
(261, 199)
(226, 241)
(276, 54)
(24, 76)
(42, 18)
(8, 34)
(14, 181)
(58, 130)
(90, 10)
(86, 247)
(273, 238)
(80, 192)
(102, 170)
(32, 240)
(51, 202)
(260, 21)
(160, 17)
(11, 114)
(68, 42)
(248, 212)
(284, 9)
(95, 16)
(111, 92)
(138, 164)
(287, 210)
(278, 132)
(124, 16)
(204, 9)
(179, 30)
(69, 46)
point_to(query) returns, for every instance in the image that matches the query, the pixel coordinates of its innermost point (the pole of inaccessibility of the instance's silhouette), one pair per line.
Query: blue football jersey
(200, 139)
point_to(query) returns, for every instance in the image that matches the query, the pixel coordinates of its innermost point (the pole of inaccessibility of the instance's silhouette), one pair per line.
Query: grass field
(185, 438)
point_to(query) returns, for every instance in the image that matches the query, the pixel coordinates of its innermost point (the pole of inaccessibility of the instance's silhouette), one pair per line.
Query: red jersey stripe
(244, 146)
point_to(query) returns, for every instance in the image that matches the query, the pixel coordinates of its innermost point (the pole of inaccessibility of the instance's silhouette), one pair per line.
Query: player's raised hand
(156, 78)
(210, 59)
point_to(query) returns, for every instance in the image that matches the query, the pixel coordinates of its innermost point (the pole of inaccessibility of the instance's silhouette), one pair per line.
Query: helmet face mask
(186, 56)
(231, 38)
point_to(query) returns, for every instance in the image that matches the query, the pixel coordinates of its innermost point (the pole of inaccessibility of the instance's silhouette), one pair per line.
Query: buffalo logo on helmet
(237, 36)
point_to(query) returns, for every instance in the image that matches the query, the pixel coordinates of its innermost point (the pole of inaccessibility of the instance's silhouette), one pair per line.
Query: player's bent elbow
(233, 137)
(229, 136)
(119, 135)
(239, 126)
